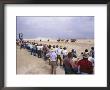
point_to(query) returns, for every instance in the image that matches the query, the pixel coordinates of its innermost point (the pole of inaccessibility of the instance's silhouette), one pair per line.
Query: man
(45, 50)
(64, 52)
(21, 45)
(56, 48)
(59, 55)
(91, 55)
(92, 52)
(68, 64)
(80, 56)
(39, 51)
(53, 61)
(34, 49)
(84, 65)
(74, 54)
(48, 54)
(31, 48)
(91, 59)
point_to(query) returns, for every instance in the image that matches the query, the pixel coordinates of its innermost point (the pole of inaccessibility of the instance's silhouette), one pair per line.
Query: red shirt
(85, 66)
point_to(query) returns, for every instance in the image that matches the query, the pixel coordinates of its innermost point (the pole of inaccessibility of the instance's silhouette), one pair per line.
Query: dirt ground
(28, 64)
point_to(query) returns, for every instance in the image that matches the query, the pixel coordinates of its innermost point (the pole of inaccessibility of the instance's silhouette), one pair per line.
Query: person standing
(53, 61)
(34, 49)
(59, 55)
(64, 52)
(68, 64)
(80, 56)
(21, 44)
(92, 52)
(38, 51)
(40, 47)
(48, 54)
(44, 51)
(84, 65)
(74, 53)
(56, 48)
(31, 48)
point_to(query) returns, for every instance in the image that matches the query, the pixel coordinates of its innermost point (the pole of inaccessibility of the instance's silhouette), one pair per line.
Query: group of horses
(63, 40)
(60, 40)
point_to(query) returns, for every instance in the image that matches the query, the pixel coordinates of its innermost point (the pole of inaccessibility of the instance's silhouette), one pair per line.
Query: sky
(56, 27)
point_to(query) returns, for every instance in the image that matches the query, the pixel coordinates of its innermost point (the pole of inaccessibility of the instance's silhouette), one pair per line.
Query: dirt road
(28, 64)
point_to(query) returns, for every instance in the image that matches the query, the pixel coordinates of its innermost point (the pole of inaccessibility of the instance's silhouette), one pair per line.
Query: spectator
(91, 59)
(80, 56)
(68, 64)
(21, 45)
(84, 65)
(74, 54)
(39, 49)
(48, 55)
(30, 48)
(64, 52)
(53, 61)
(34, 49)
(45, 51)
(56, 48)
(59, 50)
(92, 52)
(49, 46)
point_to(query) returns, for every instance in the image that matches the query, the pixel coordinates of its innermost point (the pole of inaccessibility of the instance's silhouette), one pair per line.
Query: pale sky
(56, 27)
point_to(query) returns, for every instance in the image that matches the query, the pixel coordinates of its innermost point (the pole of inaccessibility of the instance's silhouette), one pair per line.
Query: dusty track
(28, 64)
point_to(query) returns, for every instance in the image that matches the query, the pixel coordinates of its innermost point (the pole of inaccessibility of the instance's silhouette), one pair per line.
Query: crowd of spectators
(58, 55)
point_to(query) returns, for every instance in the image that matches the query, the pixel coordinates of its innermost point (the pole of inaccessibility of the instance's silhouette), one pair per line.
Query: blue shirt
(53, 56)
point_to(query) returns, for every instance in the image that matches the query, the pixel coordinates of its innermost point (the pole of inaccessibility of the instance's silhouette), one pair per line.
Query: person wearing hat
(53, 61)
(56, 48)
(64, 52)
(92, 52)
(74, 53)
(84, 65)
(59, 55)
(91, 55)
(80, 56)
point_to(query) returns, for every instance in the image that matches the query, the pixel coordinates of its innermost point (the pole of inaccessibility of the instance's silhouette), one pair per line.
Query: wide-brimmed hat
(52, 49)
(64, 48)
(85, 55)
(60, 46)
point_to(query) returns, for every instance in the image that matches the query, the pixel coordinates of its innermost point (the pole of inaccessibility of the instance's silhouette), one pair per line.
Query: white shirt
(39, 47)
(64, 52)
(80, 56)
(59, 51)
(91, 60)
(56, 50)
(31, 46)
(53, 56)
